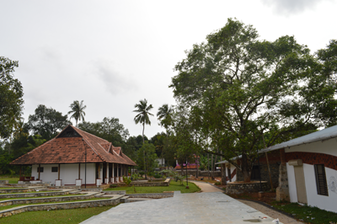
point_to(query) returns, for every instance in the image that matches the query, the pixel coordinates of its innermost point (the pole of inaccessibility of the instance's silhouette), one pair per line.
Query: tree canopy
(238, 87)
(11, 101)
(77, 111)
(47, 122)
(143, 110)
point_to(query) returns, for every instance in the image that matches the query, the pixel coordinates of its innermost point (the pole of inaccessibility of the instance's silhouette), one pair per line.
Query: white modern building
(311, 169)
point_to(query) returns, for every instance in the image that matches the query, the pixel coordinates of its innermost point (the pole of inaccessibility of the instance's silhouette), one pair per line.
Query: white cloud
(288, 7)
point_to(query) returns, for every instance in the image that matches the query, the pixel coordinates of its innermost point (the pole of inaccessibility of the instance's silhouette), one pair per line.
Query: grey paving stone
(214, 207)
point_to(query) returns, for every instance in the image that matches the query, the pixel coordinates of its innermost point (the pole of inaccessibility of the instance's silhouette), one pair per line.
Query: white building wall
(46, 176)
(324, 202)
(232, 168)
(90, 173)
(68, 173)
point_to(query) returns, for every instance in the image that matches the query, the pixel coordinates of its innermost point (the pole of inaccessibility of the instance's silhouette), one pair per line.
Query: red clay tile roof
(65, 149)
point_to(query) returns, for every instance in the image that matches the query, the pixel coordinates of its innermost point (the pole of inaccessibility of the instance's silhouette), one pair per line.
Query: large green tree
(147, 157)
(47, 122)
(239, 87)
(11, 100)
(77, 111)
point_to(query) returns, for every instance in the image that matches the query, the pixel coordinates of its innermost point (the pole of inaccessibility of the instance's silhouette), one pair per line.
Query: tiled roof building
(75, 157)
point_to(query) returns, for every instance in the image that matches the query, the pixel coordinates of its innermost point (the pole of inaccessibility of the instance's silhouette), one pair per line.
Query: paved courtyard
(207, 207)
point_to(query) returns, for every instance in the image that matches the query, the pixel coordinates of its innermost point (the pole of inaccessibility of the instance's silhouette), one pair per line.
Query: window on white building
(41, 169)
(54, 169)
(322, 188)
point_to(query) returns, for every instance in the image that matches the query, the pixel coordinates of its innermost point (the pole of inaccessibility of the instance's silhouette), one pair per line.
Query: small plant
(127, 180)
(217, 183)
(12, 172)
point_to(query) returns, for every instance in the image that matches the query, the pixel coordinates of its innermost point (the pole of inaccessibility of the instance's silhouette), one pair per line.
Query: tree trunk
(223, 176)
(244, 167)
(208, 169)
(145, 168)
(212, 165)
(197, 173)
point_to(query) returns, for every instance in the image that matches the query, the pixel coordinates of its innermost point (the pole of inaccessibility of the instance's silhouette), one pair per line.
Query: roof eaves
(93, 149)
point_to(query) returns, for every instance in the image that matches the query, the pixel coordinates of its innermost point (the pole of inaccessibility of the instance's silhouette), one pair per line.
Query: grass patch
(6, 199)
(306, 213)
(55, 202)
(55, 216)
(174, 186)
(31, 192)
(11, 180)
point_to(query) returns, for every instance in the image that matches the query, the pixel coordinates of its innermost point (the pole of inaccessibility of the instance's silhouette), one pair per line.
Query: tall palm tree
(143, 117)
(165, 115)
(77, 111)
(143, 114)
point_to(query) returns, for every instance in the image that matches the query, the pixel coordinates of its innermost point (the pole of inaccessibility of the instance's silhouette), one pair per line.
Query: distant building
(75, 157)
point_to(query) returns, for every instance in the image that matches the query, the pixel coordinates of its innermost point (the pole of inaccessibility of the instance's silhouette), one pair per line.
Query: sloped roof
(70, 146)
(321, 135)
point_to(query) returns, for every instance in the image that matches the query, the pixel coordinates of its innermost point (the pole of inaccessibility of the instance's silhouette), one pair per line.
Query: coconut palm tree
(143, 114)
(164, 115)
(77, 111)
(143, 117)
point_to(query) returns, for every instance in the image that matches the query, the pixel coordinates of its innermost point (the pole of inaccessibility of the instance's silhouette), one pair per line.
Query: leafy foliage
(47, 122)
(146, 159)
(143, 111)
(11, 100)
(236, 88)
(77, 111)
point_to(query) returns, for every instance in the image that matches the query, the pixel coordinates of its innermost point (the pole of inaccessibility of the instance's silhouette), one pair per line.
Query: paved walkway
(206, 187)
(208, 207)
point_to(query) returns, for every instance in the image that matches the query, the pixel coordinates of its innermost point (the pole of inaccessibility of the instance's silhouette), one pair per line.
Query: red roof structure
(70, 146)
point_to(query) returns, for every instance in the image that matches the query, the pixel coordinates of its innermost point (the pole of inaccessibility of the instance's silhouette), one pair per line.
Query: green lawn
(174, 186)
(55, 202)
(308, 214)
(11, 180)
(5, 199)
(55, 216)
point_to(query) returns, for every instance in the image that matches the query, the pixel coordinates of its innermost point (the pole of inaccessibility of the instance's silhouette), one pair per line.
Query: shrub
(127, 180)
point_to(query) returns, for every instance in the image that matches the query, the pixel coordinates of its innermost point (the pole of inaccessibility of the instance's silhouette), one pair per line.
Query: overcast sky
(111, 54)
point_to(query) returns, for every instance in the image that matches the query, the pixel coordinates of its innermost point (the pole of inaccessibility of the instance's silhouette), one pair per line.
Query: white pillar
(113, 173)
(107, 174)
(117, 178)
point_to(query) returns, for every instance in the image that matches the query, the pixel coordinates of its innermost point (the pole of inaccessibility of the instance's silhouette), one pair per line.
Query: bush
(157, 175)
(127, 180)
